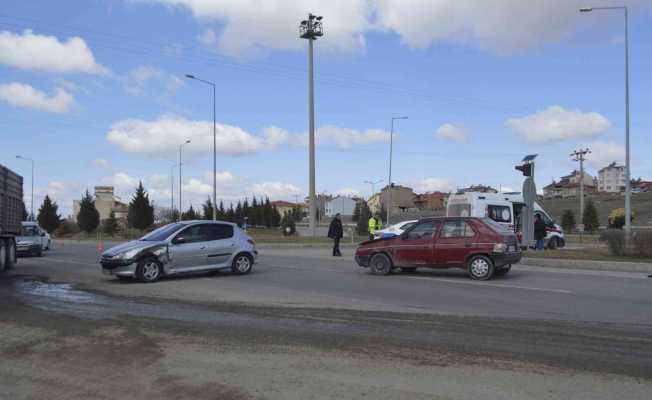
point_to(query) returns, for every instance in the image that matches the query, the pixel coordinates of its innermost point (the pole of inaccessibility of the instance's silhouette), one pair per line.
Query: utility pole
(580, 155)
(180, 204)
(311, 29)
(389, 181)
(172, 188)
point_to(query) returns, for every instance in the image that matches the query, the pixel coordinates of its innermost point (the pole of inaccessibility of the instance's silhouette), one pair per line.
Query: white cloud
(141, 79)
(345, 138)
(208, 37)
(23, 95)
(452, 132)
(275, 190)
(556, 124)
(47, 53)
(249, 25)
(603, 153)
(162, 137)
(499, 26)
(433, 185)
(102, 163)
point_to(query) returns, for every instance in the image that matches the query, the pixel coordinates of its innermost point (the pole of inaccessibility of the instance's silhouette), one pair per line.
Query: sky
(95, 92)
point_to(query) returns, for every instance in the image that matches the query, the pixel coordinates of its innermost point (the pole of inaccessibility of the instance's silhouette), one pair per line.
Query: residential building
(322, 199)
(105, 203)
(402, 199)
(340, 204)
(431, 201)
(611, 179)
(283, 206)
(569, 186)
(642, 186)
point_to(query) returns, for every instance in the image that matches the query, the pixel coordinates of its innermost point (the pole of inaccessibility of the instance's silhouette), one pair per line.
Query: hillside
(641, 205)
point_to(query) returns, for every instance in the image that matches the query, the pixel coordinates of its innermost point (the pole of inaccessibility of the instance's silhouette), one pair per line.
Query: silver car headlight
(129, 254)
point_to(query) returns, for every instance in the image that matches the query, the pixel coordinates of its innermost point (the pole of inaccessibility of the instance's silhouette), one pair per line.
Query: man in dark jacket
(539, 231)
(336, 233)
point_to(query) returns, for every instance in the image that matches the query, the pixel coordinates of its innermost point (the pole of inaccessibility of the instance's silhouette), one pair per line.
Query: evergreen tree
(110, 225)
(230, 214)
(590, 217)
(288, 226)
(190, 215)
(239, 217)
(88, 218)
(208, 209)
(268, 213)
(254, 214)
(221, 213)
(276, 217)
(568, 221)
(25, 213)
(356, 211)
(47, 215)
(141, 212)
(362, 226)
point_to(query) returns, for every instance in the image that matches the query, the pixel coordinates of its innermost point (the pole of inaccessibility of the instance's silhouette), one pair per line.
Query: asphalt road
(305, 325)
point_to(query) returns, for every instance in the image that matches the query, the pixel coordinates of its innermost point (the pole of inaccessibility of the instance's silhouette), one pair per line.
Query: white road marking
(463, 282)
(64, 261)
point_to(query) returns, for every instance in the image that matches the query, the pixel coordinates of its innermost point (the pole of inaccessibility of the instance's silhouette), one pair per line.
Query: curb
(620, 266)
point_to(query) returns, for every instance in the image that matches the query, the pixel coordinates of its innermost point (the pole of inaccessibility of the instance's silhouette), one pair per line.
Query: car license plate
(511, 248)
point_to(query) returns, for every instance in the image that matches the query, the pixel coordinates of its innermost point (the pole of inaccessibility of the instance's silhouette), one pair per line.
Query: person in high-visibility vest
(374, 225)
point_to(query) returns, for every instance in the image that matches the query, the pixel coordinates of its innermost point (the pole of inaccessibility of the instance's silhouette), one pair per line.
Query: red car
(481, 246)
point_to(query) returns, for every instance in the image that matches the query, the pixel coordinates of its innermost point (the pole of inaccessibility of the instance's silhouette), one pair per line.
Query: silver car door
(221, 244)
(188, 248)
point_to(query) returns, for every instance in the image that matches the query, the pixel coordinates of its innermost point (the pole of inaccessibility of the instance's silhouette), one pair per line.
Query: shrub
(617, 218)
(616, 241)
(568, 221)
(590, 217)
(642, 241)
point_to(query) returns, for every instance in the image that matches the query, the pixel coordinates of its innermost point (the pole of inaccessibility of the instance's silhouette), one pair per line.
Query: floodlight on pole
(311, 29)
(628, 182)
(190, 76)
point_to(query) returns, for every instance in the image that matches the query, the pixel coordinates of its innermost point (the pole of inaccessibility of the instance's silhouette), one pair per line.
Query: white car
(394, 230)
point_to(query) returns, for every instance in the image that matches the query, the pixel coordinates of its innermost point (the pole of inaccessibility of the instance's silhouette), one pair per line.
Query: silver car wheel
(243, 264)
(150, 271)
(480, 267)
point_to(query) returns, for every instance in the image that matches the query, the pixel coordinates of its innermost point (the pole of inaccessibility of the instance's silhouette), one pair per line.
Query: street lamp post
(628, 183)
(172, 187)
(214, 145)
(389, 181)
(311, 29)
(32, 195)
(180, 204)
(373, 186)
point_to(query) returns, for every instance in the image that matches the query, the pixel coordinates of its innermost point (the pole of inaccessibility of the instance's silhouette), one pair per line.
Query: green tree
(207, 209)
(288, 227)
(48, 218)
(88, 218)
(568, 221)
(141, 211)
(617, 218)
(276, 217)
(268, 213)
(362, 225)
(590, 217)
(110, 225)
(356, 211)
(221, 213)
(190, 215)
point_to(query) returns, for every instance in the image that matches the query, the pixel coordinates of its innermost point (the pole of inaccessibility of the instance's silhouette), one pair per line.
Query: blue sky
(95, 92)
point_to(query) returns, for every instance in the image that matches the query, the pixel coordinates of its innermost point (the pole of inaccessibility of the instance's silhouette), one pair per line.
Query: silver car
(182, 247)
(32, 240)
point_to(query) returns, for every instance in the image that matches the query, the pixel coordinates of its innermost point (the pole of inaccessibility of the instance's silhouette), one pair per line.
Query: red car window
(457, 229)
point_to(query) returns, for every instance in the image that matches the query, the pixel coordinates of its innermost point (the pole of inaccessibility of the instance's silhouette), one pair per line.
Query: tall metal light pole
(628, 183)
(214, 145)
(389, 181)
(311, 29)
(373, 186)
(172, 187)
(579, 155)
(180, 204)
(32, 195)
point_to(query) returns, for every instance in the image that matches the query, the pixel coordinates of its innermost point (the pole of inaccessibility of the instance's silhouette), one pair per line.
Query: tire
(481, 268)
(552, 243)
(3, 255)
(242, 264)
(48, 246)
(408, 270)
(380, 264)
(503, 270)
(148, 270)
(11, 259)
(39, 252)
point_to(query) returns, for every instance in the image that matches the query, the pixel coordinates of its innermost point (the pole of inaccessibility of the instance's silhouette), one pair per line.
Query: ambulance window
(500, 213)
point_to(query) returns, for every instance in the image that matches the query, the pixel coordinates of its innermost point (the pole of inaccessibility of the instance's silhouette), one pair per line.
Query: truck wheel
(481, 268)
(3, 255)
(11, 260)
(380, 264)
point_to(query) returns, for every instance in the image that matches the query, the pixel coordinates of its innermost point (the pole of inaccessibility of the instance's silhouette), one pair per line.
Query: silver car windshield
(162, 233)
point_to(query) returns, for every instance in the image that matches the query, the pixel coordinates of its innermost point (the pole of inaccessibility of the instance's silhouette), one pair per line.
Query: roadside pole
(579, 155)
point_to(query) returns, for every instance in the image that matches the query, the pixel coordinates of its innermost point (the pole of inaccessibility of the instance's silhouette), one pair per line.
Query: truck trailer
(11, 214)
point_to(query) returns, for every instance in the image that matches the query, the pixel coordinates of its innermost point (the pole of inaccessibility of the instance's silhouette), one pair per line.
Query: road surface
(306, 325)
